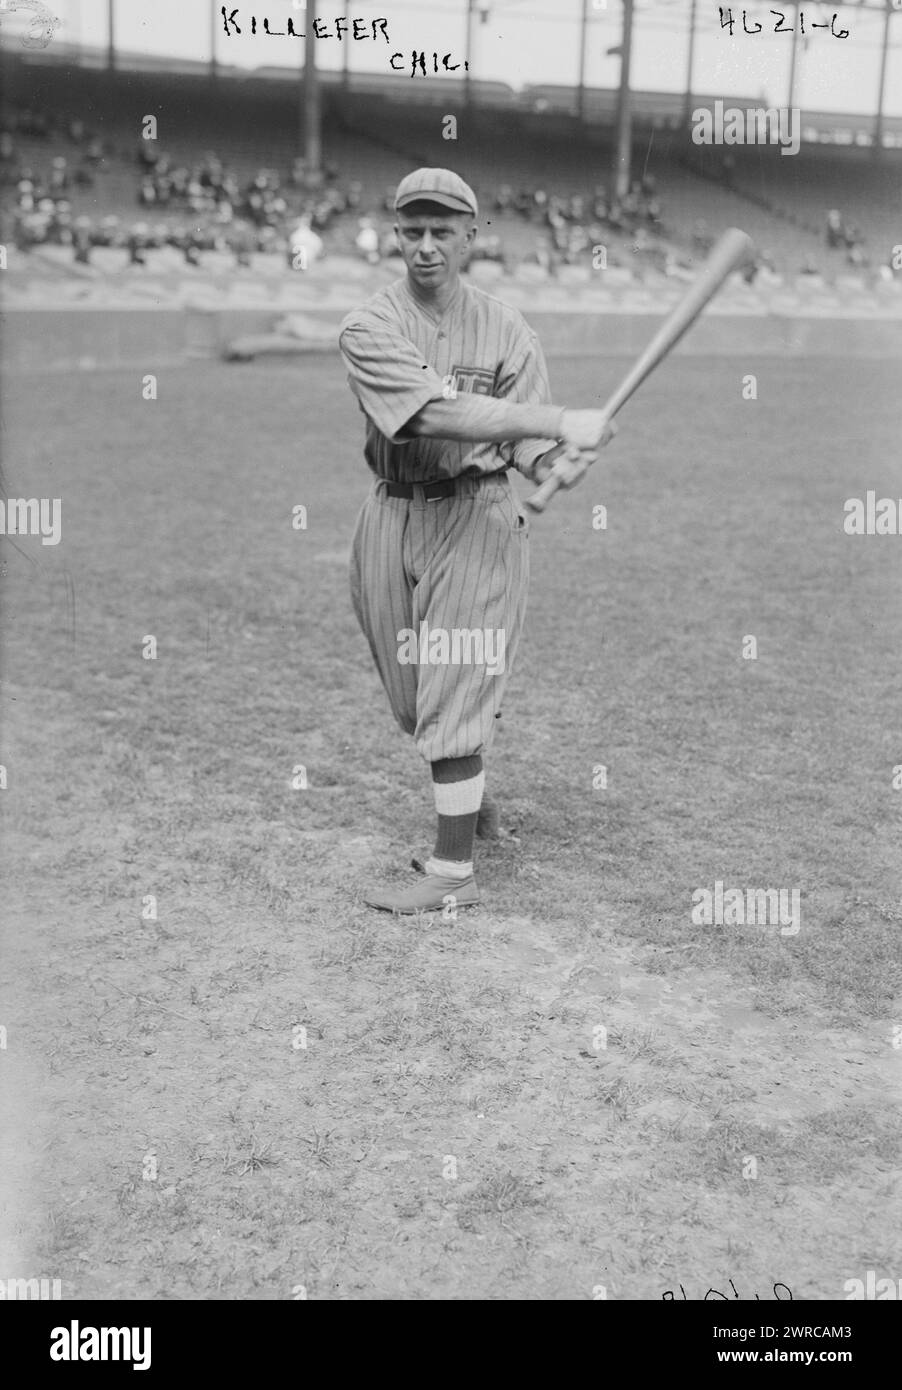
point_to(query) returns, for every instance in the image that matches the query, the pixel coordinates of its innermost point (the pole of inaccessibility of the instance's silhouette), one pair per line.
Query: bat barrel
(731, 251)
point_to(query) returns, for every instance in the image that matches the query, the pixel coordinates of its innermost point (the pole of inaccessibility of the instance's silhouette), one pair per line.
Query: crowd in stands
(568, 226)
(209, 189)
(572, 226)
(43, 199)
(846, 236)
(194, 208)
(87, 152)
(202, 206)
(639, 207)
(301, 215)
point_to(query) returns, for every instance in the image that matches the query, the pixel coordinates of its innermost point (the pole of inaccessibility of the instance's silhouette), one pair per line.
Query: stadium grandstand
(229, 173)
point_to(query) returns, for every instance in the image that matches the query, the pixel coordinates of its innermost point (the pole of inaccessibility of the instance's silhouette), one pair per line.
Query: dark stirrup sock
(458, 784)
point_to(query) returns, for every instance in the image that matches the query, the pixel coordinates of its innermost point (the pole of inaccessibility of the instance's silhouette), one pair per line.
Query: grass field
(269, 1091)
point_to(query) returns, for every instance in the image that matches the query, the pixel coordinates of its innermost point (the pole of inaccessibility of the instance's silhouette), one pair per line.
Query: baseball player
(454, 389)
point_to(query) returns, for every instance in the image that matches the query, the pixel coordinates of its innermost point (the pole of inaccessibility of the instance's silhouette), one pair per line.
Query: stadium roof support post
(111, 35)
(881, 90)
(624, 113)
(213, 26)
(313, 145)
(793, 53)
(345, 70)
(581, 89)
(690, 64)
(468, 90)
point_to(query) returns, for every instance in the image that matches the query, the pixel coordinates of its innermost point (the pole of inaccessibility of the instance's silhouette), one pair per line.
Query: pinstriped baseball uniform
(458, 562)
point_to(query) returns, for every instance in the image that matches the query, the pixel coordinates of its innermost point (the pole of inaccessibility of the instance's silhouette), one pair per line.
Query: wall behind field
(49, 340)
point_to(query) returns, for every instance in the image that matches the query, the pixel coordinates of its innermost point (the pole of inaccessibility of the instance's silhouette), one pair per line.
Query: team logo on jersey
(476, 380)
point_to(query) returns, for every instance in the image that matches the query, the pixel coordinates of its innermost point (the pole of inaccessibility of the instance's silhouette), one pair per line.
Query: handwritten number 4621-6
(728, 22)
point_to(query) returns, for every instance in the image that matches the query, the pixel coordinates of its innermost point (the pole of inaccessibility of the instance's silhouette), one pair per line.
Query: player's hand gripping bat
(730, 252)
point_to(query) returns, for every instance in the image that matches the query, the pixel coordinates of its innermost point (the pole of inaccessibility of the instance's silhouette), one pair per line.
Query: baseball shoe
(433, 893)
(488, 822)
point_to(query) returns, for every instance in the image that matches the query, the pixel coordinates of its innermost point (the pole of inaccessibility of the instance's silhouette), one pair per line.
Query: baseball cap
(440, 186)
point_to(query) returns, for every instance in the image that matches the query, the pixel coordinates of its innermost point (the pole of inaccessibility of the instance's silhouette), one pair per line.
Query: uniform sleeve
(388, 375)
(526, 380)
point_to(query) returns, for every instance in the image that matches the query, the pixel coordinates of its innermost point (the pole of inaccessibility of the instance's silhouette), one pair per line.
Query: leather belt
(443, 487)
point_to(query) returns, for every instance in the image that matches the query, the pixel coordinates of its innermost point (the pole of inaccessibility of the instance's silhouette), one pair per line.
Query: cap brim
(443, 200)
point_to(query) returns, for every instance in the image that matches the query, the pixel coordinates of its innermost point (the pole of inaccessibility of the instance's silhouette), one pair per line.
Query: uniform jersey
(401, 355)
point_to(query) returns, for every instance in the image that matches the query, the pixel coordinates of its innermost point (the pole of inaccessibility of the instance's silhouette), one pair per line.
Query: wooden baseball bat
(730, 252)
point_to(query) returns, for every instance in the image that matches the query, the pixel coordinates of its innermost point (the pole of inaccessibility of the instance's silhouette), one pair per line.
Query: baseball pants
(455, 564)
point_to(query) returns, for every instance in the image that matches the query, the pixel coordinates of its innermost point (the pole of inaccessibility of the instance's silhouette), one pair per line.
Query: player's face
(433, 243)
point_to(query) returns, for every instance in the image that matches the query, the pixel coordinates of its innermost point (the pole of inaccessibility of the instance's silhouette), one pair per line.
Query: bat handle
(538, 500)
